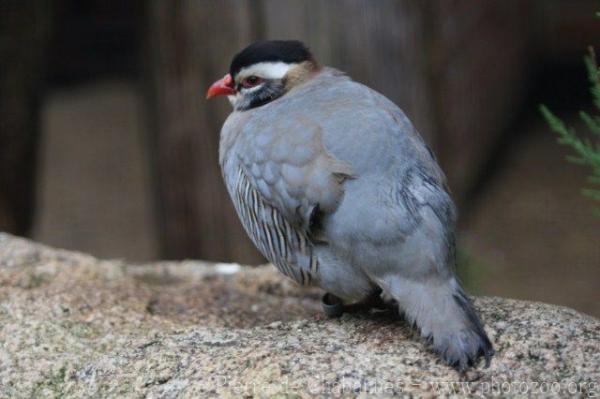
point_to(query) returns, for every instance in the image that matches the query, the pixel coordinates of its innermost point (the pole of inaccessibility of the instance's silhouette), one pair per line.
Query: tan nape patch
(299, 73)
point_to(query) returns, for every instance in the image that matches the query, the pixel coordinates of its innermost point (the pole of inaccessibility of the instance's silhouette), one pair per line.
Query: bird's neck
(300, 74)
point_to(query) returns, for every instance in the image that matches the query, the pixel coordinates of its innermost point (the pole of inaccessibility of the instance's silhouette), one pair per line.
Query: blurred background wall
(108, 146)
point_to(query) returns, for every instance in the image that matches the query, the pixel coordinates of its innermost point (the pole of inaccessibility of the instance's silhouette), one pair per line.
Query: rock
(72, 325)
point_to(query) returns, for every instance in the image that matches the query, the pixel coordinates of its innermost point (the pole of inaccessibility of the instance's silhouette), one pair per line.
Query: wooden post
(189, 45)
(23, 30)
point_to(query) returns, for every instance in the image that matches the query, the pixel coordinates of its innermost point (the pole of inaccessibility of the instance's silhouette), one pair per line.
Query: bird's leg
(376, 301)
(335, 307)
(332, 305)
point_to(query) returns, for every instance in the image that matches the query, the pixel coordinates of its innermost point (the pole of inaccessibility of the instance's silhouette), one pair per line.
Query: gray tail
(445, 316)
(486, 349)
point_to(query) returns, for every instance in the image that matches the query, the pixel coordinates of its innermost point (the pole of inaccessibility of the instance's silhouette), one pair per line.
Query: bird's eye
(251, 81)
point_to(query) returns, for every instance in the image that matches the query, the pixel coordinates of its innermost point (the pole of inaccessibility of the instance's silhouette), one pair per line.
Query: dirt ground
(531, 236)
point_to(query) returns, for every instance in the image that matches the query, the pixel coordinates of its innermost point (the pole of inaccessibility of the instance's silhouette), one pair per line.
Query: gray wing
(284, 177)
(284, 245)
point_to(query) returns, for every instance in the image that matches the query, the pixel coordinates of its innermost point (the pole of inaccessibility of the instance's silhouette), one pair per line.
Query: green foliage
(586, 152)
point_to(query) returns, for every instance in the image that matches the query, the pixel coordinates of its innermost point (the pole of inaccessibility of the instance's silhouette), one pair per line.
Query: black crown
(288, 51)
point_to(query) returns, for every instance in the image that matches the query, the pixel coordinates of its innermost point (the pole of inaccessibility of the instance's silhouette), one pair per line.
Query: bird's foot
(334, 306)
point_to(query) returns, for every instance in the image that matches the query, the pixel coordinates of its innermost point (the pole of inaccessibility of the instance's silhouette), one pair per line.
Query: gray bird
(336, 188)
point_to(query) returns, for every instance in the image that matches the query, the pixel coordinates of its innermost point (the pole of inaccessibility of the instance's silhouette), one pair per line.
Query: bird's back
(360, 126)
(389, 161)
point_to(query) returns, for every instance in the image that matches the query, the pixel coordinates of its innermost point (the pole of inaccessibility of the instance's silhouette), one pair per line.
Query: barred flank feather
(284, 245)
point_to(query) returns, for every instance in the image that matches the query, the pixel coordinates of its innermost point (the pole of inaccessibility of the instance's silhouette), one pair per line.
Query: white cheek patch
(266, 70)
(233, 99)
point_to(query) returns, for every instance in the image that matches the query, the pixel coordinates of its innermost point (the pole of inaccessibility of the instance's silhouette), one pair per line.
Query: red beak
(221, 87)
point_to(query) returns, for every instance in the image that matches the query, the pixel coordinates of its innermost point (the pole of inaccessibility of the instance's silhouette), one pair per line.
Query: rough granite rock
(75, 326)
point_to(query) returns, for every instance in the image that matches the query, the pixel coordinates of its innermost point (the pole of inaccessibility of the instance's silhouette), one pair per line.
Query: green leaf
(591, 123)
(591, 193)
(584, 151)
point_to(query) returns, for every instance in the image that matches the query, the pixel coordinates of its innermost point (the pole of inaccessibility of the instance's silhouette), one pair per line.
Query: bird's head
(263, 72)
